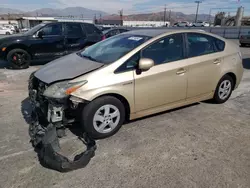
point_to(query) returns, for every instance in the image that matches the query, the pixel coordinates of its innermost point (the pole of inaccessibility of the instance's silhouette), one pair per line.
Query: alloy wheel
(225, 89)
(106, 118)
(19, 58)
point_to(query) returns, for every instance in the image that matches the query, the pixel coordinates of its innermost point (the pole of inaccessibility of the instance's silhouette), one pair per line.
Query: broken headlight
(62, 89)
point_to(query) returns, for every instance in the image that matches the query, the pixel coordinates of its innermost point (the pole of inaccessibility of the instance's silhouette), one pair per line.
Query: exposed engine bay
(49, 121)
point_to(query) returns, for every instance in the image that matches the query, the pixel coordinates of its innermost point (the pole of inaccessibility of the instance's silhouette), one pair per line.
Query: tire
(19, 59)
(218, 93)
(7, 33)
(90, 110)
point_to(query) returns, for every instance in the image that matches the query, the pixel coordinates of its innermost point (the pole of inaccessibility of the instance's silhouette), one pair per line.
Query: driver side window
(52, 30)
(165, 50)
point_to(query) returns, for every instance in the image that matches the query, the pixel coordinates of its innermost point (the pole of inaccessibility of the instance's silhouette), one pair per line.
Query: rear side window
(201, 44)
(91, 29)
(73, 29)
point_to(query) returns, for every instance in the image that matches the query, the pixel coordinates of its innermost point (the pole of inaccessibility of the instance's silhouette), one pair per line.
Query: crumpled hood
(65, 68)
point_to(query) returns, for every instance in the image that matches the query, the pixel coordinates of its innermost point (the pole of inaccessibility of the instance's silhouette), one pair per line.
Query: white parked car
(5, 31)
(182, 24)
(25, 29)
(201, 24)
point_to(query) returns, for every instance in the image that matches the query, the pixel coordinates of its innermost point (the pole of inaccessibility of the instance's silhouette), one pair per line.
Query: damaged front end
(49, 118)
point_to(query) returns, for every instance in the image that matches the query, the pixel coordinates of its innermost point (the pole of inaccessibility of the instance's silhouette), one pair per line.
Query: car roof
(157, 32)
(108, 30)
(111, 29)
(67, 22)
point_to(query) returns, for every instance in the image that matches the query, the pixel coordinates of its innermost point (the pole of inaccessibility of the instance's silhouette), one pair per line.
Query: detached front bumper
(47, 118)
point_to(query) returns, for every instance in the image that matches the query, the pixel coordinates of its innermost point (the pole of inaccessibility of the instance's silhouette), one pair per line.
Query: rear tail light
(103, 37)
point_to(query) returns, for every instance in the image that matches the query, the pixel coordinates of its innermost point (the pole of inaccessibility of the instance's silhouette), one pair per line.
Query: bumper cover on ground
(46, 144)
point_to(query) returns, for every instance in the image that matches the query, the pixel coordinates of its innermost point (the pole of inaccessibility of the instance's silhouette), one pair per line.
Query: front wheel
(224, 89)
(18, 59)
(103, 117)
(7, 33)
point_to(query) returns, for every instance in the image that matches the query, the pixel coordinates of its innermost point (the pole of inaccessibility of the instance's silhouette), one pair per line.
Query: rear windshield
(114, 48)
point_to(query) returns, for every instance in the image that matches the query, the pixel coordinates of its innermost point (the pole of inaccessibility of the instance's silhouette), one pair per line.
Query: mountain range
(81, 12)
(170, 16)
(69, 11)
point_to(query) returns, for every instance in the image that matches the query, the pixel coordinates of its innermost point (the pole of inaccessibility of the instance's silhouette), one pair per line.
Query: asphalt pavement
(201, 145)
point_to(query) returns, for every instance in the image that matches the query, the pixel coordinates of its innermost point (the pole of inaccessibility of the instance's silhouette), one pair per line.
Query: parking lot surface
(201, 145)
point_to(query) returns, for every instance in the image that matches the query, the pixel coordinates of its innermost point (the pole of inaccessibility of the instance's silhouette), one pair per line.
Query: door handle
(217, 61)
(181, 71)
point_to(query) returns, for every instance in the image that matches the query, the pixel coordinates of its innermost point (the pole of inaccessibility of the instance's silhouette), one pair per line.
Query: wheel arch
(122, 99)
(233, 76)
(17, 46)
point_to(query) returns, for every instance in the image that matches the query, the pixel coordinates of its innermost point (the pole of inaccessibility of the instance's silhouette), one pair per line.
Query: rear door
(75, 37)
(204, 60)
(51, 45)
(94, 35)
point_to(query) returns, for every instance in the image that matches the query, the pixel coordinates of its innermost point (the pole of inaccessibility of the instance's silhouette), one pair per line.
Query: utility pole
(95, 20)
(121, 16)
(164, 15)
(169, 16)
(197, 11)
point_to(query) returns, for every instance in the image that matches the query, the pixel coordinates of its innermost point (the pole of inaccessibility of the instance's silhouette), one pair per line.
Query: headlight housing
(62, 89)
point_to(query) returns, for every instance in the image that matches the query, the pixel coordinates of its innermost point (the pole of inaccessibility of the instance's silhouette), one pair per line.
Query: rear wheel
(103, 117)
(224, 89)
(7, 33)
(19, 59)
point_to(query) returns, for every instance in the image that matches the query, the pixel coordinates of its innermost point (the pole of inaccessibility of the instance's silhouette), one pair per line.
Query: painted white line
(15, 154)
(29, 150)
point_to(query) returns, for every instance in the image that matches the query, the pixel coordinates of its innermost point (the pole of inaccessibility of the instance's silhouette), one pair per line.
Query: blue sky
(130, 6)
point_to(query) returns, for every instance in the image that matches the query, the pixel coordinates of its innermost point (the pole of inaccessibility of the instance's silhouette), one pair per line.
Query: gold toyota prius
(132, 75)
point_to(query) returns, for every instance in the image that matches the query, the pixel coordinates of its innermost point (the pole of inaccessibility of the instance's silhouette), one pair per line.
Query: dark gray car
(245, 39)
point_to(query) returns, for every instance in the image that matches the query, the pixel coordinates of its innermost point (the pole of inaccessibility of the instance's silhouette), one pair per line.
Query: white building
(145, 23)
(8, 22)
(28, 22)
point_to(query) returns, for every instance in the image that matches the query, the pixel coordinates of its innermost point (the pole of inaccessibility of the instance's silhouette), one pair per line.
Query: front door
(204, 62)
(50, 45)
(166, 82)
(75, 38)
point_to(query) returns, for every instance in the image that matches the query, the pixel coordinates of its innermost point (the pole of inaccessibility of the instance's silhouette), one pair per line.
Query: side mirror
(145, 64)
(40, 34)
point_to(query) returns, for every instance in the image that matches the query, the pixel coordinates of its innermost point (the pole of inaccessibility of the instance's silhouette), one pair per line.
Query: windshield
(113, 48)
(33, 30)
